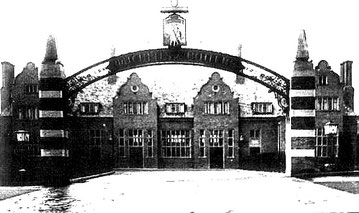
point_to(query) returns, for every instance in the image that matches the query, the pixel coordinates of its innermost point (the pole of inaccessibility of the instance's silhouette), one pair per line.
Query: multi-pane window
(176, 143)
(27, 113)
(202, 144)
(135, 137)
(216, 138)
(97, 137)
(262, 108)
(326, 145)
(323, 80)
(230, 143)
(149, 143)
(328, 103)
(135, 108)
(121, 142)
(31, 88)
(216, 108)
(90, 108)
(175, 108)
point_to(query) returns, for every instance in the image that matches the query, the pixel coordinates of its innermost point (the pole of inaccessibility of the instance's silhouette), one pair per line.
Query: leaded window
(326, 145)
(176, 143)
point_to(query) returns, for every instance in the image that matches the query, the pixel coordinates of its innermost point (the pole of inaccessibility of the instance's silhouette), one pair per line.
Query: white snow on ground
(219, 191)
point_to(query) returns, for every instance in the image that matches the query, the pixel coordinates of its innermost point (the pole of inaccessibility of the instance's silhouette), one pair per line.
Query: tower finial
(51, 51)
(302, 52)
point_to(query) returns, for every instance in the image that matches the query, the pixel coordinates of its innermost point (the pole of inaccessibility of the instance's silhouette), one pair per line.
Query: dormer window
(323, 80)
(175, 108)
(90, 108)
(262, 108)
(31, 88)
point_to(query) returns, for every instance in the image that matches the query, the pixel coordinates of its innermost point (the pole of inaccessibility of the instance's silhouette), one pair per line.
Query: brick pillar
(53, 137)
(300, 138)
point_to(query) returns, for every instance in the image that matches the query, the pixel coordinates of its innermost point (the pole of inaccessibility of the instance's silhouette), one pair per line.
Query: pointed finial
(51, 51)
(302, 52)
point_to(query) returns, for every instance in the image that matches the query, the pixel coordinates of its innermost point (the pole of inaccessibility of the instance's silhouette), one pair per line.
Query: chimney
(346, 73)
(6, 88)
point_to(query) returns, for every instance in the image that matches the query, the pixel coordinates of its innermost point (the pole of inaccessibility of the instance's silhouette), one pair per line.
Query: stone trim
(50, 114)
(50, 94)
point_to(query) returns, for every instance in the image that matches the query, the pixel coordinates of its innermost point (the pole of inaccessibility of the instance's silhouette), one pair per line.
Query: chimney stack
(6, 87)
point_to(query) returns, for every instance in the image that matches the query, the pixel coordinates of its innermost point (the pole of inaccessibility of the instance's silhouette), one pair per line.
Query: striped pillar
(300, 146)
(53, 137)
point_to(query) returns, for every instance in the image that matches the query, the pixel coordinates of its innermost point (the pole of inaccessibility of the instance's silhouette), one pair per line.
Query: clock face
(174, 31)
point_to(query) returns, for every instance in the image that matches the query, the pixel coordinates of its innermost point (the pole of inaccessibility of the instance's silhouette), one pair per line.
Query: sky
(268, 31)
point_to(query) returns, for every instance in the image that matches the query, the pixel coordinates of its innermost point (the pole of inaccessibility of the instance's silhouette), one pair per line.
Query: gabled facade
(135, 125)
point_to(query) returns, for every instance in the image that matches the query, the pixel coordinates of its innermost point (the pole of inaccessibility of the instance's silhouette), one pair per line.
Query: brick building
(131, 124)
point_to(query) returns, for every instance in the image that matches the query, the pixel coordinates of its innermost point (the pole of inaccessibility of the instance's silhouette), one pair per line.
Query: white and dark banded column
(300, 148)
(53, 136)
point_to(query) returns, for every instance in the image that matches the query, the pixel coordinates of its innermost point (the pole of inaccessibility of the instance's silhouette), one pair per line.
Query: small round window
(215, 88)
(134, 88)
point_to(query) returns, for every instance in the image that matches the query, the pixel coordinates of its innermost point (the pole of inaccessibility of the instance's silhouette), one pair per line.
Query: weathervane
(174, 26)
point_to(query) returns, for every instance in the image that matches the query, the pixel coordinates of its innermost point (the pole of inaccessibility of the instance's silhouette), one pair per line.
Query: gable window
(328, 104)
(31, 89)
(135, 108)
(216, 108)
(175, 108)
(90, 108)
(323, 80)
(262, 108)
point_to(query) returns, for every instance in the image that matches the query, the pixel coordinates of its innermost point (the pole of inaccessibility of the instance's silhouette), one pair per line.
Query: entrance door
(216, 158)
(136, 157)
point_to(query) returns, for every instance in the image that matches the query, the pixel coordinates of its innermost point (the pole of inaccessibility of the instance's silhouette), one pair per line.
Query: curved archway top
(185, 56)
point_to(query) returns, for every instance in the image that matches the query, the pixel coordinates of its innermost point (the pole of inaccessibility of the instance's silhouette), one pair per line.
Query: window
(255, 133)
(97, 137)
(121, 142)
(216, 138)
(216, 108)
(22, 135)
(149, 143)
(230, 143)
(27, 113)
(176, 143)
(326, 145)
(31, 89)
(135, 137)
(323, 80)
(202, 144)
(254, 142)
(90, 108)
(135, 108)
(175, 108)
(327, 104)
(262, 108)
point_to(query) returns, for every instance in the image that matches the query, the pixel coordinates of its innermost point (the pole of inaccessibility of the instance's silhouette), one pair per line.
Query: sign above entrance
(174, 31)
(174, 26)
